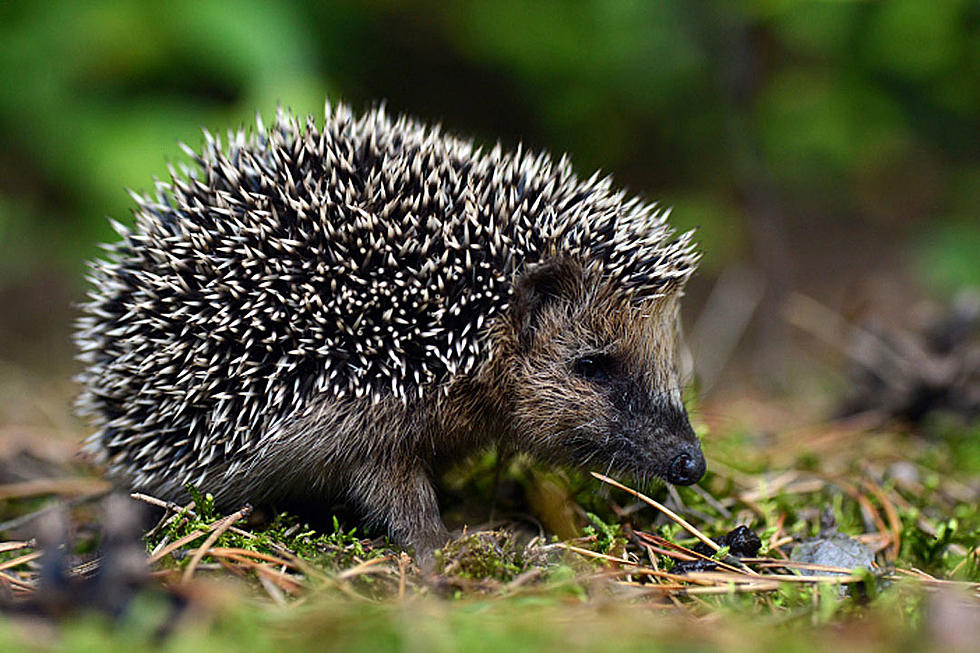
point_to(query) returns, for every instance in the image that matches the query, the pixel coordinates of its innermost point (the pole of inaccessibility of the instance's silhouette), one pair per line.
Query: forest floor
(861, 533)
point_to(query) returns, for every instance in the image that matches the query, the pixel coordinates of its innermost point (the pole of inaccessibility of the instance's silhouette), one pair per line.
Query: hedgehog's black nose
(686, 469)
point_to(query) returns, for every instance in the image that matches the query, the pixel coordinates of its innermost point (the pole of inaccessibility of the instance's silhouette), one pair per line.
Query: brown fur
(527, 395)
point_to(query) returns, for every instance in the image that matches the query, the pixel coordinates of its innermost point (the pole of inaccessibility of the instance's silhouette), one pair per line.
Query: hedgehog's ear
(539, 286)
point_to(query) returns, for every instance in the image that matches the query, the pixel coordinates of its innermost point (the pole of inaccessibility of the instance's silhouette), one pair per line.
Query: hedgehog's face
(595, 382)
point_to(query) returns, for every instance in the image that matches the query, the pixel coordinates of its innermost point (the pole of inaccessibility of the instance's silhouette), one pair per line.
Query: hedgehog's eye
(597, 368)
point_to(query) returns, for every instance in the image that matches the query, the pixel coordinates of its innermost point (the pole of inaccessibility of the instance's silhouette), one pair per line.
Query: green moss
(485, 555)
(285, 533)
(607, 536)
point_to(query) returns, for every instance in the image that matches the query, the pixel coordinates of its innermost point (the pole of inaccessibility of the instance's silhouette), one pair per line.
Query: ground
(548, 557)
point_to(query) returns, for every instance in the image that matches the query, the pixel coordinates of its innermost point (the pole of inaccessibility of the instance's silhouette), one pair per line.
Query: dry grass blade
(682, 580)
(241, 564)
(731, 589)
(966, 558)
(788, 483)
(791, 578)
(20, 560)
(662, 508)
(594, 554)
(894, 522)
(673, 590)
(919, 576)
(246, 554)
(173, 546)
(689, 554)
(217, 530)
(523, 579)
(769, 563)
(232, 559)
(366, 567)
(865, 503)
(270, 587)
(727, 577)
(676, 555)
(17, 583)
(634, 567)
(60, 486)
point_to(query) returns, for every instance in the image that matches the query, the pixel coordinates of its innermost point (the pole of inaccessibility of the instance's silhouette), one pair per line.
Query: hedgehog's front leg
(402, 498)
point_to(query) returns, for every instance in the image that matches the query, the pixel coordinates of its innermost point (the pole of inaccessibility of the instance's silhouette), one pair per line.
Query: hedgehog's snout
(679, 451)
(686, 468)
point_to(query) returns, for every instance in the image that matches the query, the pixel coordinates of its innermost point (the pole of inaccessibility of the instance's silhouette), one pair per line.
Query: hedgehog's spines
(365, 258)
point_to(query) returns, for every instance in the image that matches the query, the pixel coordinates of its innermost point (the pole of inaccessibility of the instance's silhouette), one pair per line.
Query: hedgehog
(346, 310)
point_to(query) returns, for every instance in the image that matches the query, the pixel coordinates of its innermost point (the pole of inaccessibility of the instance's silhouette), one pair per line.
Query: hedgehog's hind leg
(402, 498)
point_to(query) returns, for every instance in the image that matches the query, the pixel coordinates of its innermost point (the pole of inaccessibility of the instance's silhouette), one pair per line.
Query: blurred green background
(831, 146)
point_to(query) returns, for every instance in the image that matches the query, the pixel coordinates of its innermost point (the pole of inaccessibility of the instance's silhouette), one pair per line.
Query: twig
(16, 546)
(171, 513)
(170, 505)
(402, 566)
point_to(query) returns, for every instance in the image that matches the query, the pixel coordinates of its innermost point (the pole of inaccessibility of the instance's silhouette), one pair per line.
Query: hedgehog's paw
(425, 551)
(405, 502)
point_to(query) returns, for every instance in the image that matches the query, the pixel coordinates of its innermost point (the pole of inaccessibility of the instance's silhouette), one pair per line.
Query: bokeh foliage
(844, 112)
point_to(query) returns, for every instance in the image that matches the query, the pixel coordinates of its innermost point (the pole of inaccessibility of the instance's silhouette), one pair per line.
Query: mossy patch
(492, 555)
